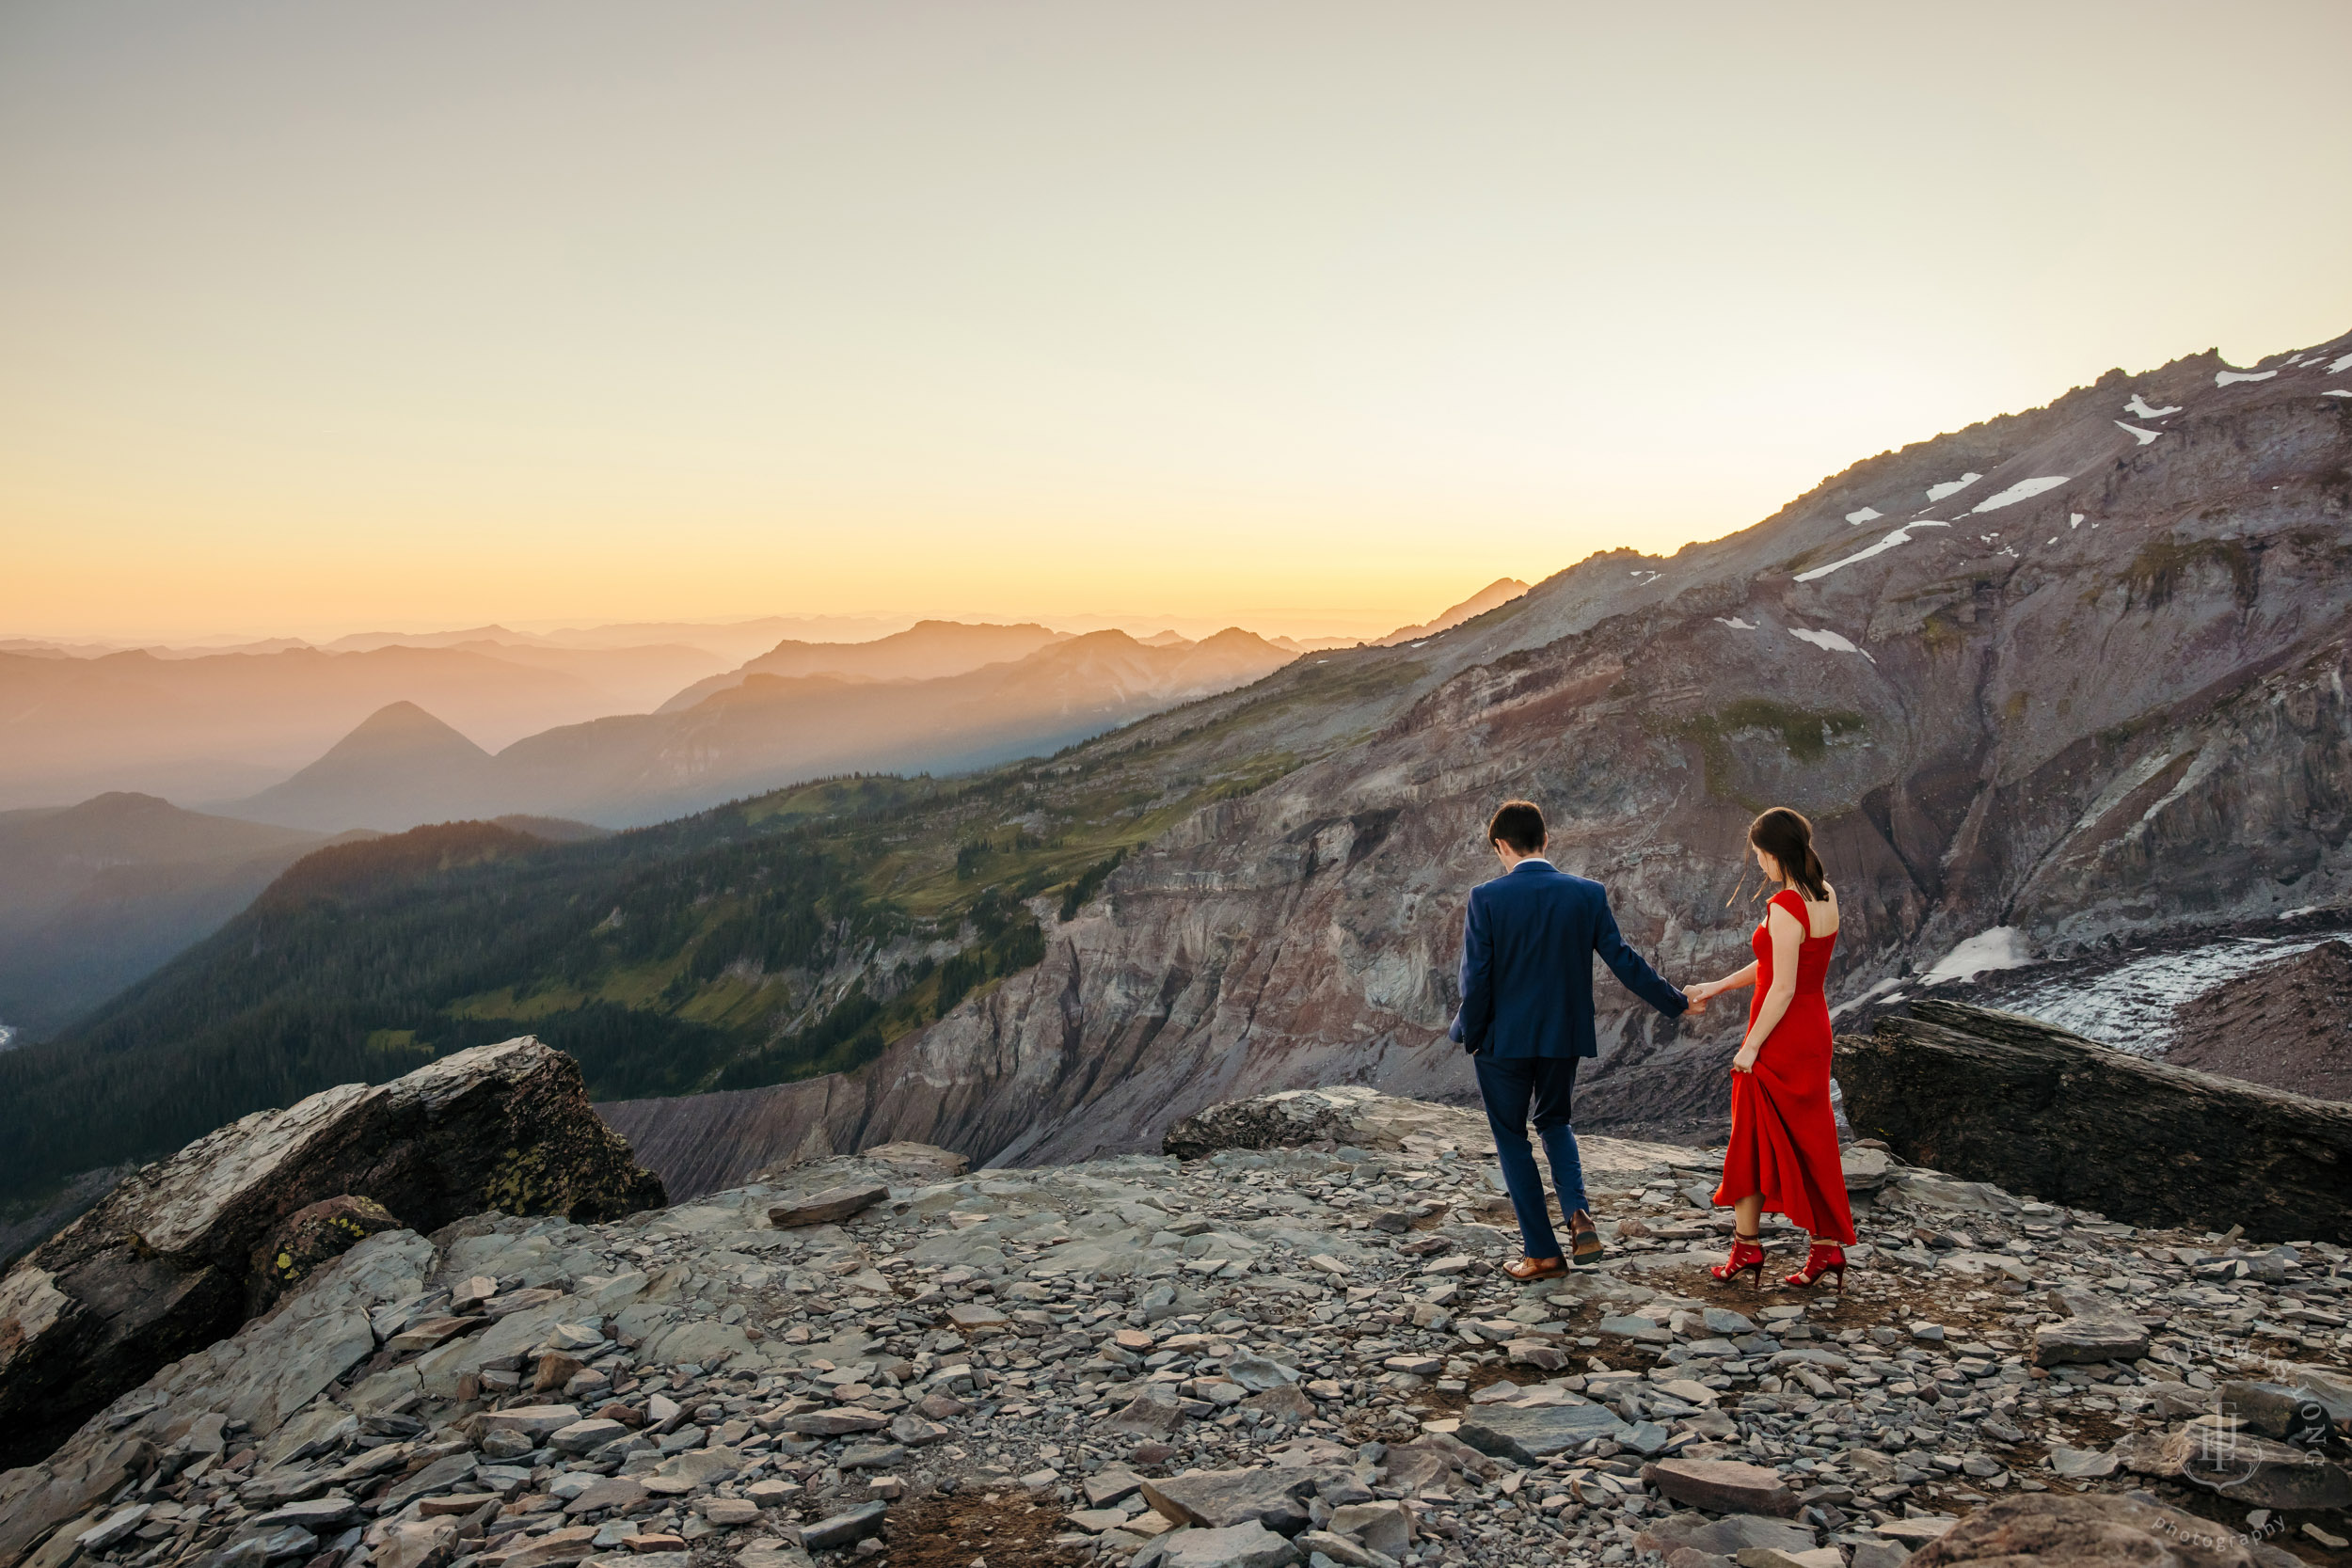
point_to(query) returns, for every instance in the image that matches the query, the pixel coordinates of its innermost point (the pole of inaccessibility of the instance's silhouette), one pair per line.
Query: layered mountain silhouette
(925, 650)
(404, 767)
(214, 726)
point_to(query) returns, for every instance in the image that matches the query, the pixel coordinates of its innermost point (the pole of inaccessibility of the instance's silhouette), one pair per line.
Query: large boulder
(2093, 1528)
(1361, 1117)
(1996, 1097)
(167, 1263)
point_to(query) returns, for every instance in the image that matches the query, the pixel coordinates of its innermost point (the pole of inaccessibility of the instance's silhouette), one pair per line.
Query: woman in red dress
(1784, 1134)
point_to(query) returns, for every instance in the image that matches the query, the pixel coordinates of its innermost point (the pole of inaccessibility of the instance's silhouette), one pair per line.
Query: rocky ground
(1252, 1357)
(2288, 1024)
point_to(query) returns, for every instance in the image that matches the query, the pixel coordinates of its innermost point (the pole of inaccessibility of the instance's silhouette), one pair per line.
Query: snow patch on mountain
(1828, 640)
(2002, 947)
(2025, 489)
(1951, 488)
(1900, 536)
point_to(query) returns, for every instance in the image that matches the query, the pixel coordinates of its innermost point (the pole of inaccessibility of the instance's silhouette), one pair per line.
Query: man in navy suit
(1527, 1018)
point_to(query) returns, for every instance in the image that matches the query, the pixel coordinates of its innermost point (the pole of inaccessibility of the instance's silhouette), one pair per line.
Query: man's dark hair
(1519, 824)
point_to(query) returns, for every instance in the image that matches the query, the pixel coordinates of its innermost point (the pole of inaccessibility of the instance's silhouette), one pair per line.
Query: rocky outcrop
(179, 1253)
(1350, 1116)
(2054, 1530)
(1145, 1361)
(1359, 1120)
(1999, 1097)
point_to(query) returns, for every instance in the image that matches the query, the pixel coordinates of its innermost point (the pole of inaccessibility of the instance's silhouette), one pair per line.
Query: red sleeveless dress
(1784, 1135)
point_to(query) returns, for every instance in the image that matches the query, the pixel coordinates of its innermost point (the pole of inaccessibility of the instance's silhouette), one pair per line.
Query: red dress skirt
(1784, 1135)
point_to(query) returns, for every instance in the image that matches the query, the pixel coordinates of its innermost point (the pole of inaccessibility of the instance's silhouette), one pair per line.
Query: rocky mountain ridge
(2075, 673)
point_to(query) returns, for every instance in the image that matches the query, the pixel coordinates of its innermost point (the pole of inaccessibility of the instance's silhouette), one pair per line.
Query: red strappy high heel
(1825, 1259)
(1747, 1257)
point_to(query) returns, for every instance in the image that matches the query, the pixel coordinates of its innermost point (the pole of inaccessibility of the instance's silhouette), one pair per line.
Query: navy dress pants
(1523, 1090)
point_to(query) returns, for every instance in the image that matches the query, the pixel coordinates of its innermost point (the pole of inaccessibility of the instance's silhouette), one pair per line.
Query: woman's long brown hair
(1787, 837)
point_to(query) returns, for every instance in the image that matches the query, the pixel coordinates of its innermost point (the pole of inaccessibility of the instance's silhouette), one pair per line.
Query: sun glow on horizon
(1315, 318)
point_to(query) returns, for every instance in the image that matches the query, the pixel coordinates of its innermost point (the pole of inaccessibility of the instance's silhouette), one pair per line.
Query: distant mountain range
(759, 729)
(218, 724)
(215, 726)
(925, 650)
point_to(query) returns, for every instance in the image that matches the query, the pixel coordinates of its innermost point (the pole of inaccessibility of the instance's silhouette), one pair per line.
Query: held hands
(1698, 995)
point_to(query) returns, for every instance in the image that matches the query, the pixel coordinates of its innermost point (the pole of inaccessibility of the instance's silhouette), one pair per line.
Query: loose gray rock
(1530, 1437)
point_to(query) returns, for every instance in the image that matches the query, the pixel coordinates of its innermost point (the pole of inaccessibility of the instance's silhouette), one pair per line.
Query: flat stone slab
(317, 1515)
(1250, 1545)
(1725, 1537)
(557, 1546)
(531, 1421)
(2081, 1463)
(580, 1436)
(973, 1314)
(1219, 1500)
(1105, 1487)
(621, 1492)
(845, 1530)
(1528, 1435)
(1151, 1413)
(1721, 1485)
(833, 1423)
(1866, 1169)
(836, 1203)
(1640, 1330)
(2083, 1341)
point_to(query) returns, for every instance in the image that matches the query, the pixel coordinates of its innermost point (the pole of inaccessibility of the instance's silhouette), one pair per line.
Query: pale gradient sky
(319, 316)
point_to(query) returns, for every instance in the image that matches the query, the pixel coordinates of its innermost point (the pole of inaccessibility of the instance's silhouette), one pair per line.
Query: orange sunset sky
(1312, 316)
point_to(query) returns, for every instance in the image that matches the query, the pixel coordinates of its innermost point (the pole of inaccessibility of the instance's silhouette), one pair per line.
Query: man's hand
(1696, 997)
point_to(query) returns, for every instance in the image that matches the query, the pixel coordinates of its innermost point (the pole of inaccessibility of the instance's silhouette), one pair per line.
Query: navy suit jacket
(1527, 965)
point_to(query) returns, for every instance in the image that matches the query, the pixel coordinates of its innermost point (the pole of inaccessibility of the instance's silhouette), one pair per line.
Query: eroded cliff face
(2078, 671)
